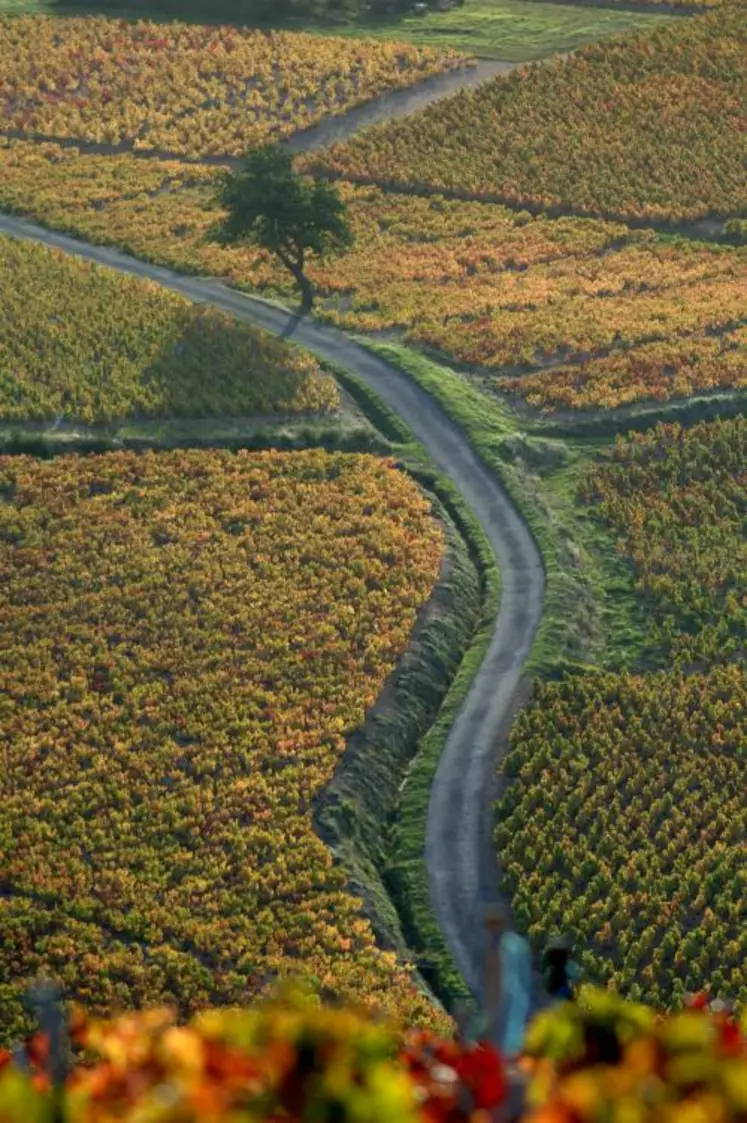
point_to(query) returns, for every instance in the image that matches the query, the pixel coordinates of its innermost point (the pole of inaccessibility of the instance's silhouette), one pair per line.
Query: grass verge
(515, 30)
(591, 615)
(360, 814)
(407, 875)
(386, 776)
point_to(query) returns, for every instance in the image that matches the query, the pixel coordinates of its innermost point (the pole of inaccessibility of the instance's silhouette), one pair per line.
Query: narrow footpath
(458, 831)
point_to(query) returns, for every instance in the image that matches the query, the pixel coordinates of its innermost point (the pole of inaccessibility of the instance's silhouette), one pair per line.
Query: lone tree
(271, 206)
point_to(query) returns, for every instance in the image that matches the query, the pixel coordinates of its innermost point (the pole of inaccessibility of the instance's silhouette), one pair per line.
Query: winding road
(459, 854)
(458, 842)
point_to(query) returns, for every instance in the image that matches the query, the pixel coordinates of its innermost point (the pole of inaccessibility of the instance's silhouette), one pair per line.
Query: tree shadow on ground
(215, 366)
(199, 364)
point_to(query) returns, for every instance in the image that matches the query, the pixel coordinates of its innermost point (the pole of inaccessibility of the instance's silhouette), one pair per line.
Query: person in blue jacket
(508, 980)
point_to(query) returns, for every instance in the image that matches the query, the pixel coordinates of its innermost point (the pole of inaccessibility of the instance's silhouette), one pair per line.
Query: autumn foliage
(661, 371)
(187, 641)
(83, 343)
(294, 1059)
(189, 89)
(647, 126)
(603, 1059)
(563, 313)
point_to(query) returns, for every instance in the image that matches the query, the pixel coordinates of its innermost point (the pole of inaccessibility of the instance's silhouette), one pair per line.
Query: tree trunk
(307, 292)
(304, 284)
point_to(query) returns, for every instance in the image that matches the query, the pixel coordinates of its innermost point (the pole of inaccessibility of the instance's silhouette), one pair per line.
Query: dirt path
(395, 103)
(458, 845)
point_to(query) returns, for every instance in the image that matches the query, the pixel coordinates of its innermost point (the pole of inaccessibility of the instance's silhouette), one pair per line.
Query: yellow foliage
(188, 639)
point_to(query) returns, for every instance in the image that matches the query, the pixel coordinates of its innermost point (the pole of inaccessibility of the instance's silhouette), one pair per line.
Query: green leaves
(625, 819)
(268, 204)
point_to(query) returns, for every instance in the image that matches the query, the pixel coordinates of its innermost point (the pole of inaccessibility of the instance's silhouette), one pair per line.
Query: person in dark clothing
(559, 969)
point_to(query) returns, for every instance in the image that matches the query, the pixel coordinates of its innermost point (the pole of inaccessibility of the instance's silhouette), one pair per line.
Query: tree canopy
(269, 205)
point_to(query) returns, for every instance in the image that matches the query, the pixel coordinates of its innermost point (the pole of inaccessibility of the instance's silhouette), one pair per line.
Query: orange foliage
(188, 640)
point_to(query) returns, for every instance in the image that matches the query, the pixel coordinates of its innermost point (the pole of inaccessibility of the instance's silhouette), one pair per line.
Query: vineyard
(81, 342)
(188, 639)
(194, 91)
(649, 126)
(662, 371)
(191, 639)
(488, 287)
(625, 824)
(625, 821)
(677, 499)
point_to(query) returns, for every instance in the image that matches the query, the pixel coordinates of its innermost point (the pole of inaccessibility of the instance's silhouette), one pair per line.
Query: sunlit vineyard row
(85, 343)
(187, 641)
(479, 283)
(625, 820)
(191, 90)
(649, 126)
(662, 371)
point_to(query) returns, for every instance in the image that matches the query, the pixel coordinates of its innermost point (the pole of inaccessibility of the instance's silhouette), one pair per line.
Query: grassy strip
(408, 747)
(279, 435)
(370, 427)
(391, 780)
(407, 876)
(374, 408)
(508, 29)
(590, 612)
(709, 407)
(360, 813)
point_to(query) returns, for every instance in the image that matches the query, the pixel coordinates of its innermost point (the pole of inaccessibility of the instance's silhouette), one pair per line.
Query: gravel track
(458, 844)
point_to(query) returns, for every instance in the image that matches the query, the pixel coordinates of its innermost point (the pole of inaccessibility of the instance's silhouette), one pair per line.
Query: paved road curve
(458, 843)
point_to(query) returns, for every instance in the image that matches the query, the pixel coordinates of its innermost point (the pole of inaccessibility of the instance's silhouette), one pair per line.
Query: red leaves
(480, 1068)
(456, 1079)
